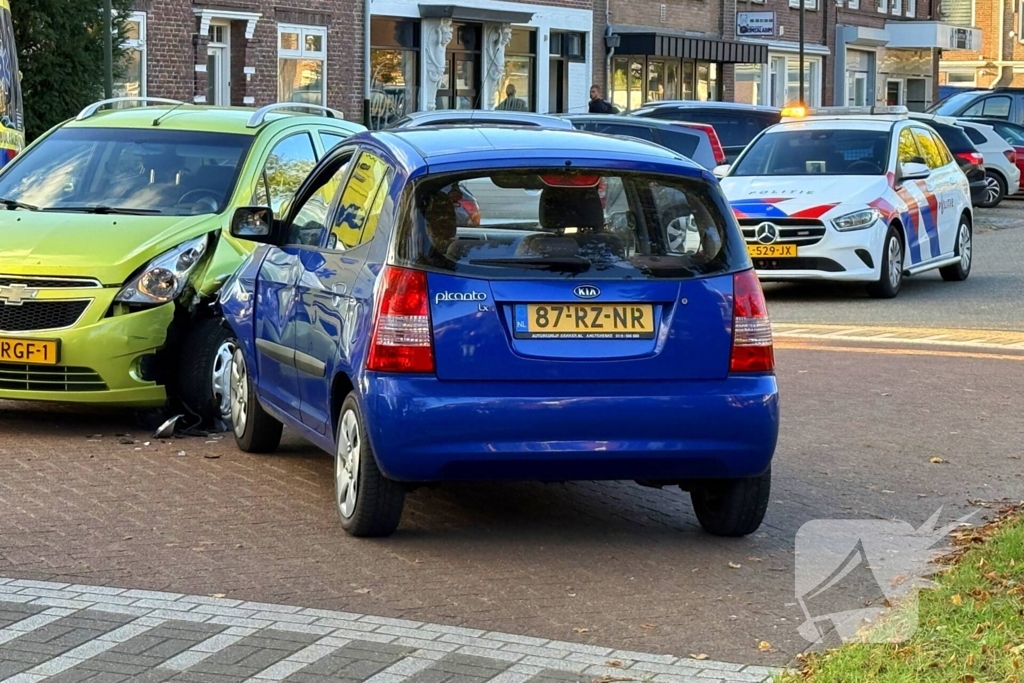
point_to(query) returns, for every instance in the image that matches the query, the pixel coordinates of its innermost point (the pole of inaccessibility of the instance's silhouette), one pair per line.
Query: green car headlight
(164, 278)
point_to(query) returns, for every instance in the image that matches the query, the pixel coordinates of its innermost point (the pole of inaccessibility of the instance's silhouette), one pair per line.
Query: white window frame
(896, 7)
(903, 89)
(912, 8)
(811, 5)
(853, 4)
(224, 47)
(302, 53)
(140, 45)
(883, 6)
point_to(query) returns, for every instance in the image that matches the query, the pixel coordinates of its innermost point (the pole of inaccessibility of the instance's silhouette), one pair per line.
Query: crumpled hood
(800, 196)
(107, 248)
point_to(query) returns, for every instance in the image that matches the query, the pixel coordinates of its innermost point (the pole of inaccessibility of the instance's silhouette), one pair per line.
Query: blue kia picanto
(599, 319)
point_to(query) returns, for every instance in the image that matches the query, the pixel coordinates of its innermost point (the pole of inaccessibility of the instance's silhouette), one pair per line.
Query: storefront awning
(707, 49)
(928, 34)
(472, 13)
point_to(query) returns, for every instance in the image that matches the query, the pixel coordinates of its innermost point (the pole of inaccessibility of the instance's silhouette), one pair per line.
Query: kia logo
(586, 291)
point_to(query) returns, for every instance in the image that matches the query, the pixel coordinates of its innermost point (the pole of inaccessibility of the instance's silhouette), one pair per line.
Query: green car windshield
(167, 172)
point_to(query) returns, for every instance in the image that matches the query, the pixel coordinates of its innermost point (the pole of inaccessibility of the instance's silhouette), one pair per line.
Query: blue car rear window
(552, 223)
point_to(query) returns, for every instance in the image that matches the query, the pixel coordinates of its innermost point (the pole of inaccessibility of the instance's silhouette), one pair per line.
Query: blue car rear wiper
(13, 204)
(104, 210)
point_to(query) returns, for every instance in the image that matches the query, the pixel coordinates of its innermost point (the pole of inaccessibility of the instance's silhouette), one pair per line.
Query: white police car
(850, 195)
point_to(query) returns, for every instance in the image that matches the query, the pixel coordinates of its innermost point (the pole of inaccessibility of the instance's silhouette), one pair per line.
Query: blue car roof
(481, 146)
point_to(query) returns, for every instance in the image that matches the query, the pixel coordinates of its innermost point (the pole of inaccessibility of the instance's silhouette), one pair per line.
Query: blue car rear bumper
(424, 429)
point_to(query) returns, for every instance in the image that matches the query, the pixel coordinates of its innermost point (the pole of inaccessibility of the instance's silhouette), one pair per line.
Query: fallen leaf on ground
(615, 664)
(957, 600)
(218, 595)
(735, 565)
(648, 627)
(701, 657)
(581, 629)
(211, 456)
(764, 646)
(609, 679)
(362, 591)
(937, 461)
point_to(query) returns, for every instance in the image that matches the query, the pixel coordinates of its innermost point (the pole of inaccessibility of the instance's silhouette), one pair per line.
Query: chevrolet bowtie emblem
(15, 295)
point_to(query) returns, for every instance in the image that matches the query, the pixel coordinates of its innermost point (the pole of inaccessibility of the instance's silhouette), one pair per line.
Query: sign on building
(755, 24)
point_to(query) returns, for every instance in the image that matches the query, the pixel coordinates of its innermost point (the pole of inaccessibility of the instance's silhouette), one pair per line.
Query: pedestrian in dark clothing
(598, 105)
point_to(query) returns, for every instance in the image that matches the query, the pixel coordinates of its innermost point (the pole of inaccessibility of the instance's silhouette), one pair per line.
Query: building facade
(374, 60)
(996, 57)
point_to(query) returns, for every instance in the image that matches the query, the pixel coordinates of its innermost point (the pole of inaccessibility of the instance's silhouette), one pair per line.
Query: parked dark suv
(736, 124)
(998, 103)
(971, 161)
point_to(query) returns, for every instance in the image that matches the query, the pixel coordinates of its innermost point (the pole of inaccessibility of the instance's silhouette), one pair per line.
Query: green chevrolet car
(115, 241)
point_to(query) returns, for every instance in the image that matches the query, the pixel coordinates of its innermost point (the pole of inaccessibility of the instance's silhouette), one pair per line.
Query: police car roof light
(895, 111)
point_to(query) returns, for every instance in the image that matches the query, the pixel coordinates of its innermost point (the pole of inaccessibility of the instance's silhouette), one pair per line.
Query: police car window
(310, 220)
(907, 150)
(947, 158)
(816, 152)
(558, 224)
(929, 150)
(359, 208)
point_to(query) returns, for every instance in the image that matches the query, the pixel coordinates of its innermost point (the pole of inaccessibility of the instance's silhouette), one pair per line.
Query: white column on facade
(543, 67)
(496, 38)
(436, 34)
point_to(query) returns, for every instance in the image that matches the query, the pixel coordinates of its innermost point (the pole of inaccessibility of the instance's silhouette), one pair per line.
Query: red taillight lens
(1011, 156)
(570, 180)
(602, 192)
(973, 158)
(716, 144)
(752, 349)
(472, 210)
(402, 339)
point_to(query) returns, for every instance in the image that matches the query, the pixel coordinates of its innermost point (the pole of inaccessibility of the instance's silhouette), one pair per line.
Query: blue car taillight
(752, 349)
(402, 337)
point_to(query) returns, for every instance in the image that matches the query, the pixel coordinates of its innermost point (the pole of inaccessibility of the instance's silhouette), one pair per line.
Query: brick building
(421, 56)
(996, 57)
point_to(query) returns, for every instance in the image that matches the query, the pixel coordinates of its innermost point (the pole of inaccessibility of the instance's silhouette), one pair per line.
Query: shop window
(394, 74)
(655, 80)
(812, 77)
(749, 83)
(132, 78)
(687, 81)
(636, 83)
(620, 83)
(520, 61)
(302, 56)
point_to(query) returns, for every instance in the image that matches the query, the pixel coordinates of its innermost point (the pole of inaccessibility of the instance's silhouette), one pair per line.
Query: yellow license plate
(584, 321)
(772, 250)
(28, 351)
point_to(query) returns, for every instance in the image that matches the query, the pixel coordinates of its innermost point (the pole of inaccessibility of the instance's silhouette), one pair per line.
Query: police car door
(938, 220)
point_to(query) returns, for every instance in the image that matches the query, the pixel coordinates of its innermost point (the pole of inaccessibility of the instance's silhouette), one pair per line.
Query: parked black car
(696, 141)
(736, 124)
(998, 103)
(971, 161)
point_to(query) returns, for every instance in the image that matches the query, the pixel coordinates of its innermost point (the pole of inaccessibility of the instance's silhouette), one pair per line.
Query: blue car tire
(256, 431)
(368, 503)
(732, 507)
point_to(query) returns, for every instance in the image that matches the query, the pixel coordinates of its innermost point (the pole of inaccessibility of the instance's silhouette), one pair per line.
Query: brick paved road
(87, 634)
(603, 564)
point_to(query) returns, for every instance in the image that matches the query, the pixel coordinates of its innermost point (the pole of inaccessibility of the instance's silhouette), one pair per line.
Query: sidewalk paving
(91, 634)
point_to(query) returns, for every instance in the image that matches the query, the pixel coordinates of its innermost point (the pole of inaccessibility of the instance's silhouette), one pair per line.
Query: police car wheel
(891, 278)
(965, 250)
(368, 503)
(732, 507)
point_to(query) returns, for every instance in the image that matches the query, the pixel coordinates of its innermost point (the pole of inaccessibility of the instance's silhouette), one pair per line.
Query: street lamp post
(108, 49)
(802, 100)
